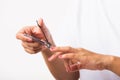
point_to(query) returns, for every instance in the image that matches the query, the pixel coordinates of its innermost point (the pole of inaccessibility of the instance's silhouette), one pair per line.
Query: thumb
(41, 24)
(40, 30)
(44, 29)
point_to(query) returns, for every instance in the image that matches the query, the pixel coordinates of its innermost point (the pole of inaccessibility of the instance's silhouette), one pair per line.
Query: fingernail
(60, 56)
(49, 59)
(52, 48)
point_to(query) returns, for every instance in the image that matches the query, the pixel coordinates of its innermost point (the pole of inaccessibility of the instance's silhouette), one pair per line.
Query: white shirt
(94, 25)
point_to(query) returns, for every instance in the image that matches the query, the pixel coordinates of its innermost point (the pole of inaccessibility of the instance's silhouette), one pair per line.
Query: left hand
(28, 44)
(79, 58)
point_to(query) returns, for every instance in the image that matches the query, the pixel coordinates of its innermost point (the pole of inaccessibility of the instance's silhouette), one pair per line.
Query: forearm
(57, 68)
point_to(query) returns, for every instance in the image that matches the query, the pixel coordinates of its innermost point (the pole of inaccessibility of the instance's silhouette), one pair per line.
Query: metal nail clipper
(45, 42)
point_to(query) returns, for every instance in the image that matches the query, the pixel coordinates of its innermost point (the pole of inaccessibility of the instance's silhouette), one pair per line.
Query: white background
(15, 63)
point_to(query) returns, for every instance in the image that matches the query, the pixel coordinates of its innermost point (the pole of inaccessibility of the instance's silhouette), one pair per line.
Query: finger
(30, 30)
(38, 33)
(42, 25)
(25, 30)
(63, 49)
(54, 56)
(22, 37)
(75, 67)
(44, 29)
(32, 51)
(32, 48)
(66, 64)
(68, 56)
(30, 44)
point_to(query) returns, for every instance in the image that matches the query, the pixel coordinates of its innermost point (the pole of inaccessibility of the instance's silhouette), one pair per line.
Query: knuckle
(81, 49)
(30, 51)
(32, 48)
(36, 51)
(27, 50)
(74, 56)
(35, 48)
(69, 48)
(33, 52)
(17, 36)
(36, 44)
(23, 44)
(40, 34)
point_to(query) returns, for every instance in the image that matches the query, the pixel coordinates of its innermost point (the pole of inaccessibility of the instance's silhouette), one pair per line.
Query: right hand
(79, 58)
(27, 43)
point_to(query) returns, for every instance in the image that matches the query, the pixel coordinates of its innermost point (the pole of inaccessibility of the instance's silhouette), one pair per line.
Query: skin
(79, 58)
(56, 67)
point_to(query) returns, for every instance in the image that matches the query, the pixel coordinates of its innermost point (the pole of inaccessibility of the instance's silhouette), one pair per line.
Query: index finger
(21, 36)
(63, 49)
(21, 33)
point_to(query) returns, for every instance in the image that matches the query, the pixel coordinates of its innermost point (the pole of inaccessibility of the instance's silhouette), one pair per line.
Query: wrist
(108, 62)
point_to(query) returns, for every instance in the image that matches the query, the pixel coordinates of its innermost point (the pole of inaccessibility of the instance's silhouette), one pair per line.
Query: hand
(79, 58)
(29, 45)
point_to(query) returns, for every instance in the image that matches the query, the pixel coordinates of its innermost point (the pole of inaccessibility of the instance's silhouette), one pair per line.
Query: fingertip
(29, 39)
(73, 67)
(52, 48)
(17, 36)
(60, 56)
(63, 56)
(40, 21)
(50, 59)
